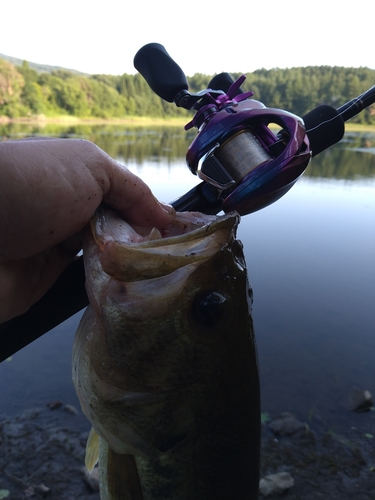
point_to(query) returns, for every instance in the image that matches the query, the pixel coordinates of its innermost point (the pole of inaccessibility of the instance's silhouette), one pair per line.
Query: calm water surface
(311, 263)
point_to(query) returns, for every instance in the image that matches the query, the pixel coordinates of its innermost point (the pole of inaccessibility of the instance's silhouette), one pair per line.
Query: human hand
(49, 190)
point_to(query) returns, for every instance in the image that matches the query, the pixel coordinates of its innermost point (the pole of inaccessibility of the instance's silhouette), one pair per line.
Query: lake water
(311, 263)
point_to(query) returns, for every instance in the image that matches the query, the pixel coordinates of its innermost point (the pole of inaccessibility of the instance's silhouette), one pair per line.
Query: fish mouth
(132, 253)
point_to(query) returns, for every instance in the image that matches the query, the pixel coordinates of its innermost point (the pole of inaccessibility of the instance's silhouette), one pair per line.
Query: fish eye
(208, 308)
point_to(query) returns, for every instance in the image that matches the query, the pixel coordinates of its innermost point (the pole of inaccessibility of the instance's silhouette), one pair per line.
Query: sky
(202, 37)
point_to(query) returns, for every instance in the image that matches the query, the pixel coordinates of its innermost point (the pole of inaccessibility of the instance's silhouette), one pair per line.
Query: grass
(74, 120)
(359, 127)
(145, 121)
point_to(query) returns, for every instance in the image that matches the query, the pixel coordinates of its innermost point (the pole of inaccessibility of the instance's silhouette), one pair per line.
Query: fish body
(164, 360)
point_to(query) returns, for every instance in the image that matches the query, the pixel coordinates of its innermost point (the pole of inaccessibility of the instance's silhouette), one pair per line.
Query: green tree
(24, 92)
(11, 84)
(32, 96)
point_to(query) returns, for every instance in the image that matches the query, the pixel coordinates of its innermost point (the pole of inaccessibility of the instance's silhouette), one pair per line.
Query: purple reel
(237, 151)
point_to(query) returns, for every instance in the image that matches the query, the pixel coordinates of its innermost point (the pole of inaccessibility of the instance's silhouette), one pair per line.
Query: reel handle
(161, 72)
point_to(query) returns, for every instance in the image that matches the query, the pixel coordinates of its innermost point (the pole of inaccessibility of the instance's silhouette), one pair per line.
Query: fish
(165, 362)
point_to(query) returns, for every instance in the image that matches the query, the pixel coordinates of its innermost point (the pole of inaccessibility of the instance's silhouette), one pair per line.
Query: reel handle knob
(223, 81)
(161, 72)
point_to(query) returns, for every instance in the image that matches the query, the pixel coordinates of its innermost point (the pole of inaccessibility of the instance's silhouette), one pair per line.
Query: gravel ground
(42, 456)
(325, 466)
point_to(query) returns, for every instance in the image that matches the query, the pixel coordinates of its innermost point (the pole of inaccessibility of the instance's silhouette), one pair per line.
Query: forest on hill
(25, 92)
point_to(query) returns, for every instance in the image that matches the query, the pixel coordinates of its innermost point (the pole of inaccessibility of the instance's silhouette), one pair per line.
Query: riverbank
(42, 456)
(137, 121)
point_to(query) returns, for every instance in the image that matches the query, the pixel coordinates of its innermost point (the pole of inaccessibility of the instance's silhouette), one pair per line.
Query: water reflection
(166, 145)
(311, 264)
(135, 144)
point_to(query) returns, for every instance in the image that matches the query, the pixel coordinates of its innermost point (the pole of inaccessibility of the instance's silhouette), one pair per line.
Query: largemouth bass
(164, 360)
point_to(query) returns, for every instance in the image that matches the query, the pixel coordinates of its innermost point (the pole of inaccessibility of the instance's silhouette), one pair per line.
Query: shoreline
(73, 120)
(132, 121)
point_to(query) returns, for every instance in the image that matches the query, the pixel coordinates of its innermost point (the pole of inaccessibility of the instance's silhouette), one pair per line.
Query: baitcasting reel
(244, 165)
(237, 153)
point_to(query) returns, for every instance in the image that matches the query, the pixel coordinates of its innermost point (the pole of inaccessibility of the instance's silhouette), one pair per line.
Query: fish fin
(92, 450)
(122, 476)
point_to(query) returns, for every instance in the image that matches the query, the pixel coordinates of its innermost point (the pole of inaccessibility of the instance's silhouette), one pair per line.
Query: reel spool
(240, 154)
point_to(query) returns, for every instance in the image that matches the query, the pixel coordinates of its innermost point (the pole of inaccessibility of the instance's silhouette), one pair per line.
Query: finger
(133, 199)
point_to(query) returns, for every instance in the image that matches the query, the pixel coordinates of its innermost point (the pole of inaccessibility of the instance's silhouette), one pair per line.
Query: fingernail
(168, 208)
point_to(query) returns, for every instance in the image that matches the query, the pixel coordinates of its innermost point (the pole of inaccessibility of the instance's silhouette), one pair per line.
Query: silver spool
(240, 154)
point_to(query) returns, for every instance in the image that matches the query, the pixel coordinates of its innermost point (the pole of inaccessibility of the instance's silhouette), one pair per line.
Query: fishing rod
(242, 163)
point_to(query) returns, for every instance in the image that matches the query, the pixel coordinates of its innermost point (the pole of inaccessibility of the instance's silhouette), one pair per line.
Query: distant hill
(39, 68)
